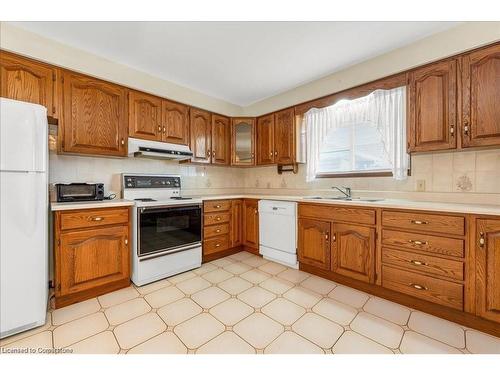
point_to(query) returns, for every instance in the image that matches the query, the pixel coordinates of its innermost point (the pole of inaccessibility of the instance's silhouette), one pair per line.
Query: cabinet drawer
(215, 206)
(216, 218)
(424, 263)
(425, 222)
(442, 292)
(216, 244)
(335, 213)
(93, 218)
(424, 242)
(215, 230)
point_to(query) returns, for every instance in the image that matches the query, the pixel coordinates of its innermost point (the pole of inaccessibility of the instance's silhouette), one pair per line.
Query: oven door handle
(170, 209)
(168, 252)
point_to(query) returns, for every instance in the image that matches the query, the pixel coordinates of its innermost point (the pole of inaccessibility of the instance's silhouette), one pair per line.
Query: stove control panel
(151, 182)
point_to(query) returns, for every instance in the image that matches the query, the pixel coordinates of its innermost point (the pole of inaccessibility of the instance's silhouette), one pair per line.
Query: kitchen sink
(346, 199)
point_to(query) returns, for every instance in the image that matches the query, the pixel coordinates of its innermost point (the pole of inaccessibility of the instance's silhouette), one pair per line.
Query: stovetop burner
(145, 199)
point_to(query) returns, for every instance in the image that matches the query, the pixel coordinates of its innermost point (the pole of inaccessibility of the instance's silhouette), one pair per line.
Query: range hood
(140, 148)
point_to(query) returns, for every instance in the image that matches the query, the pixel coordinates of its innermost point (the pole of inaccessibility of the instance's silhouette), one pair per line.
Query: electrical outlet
(420, 185)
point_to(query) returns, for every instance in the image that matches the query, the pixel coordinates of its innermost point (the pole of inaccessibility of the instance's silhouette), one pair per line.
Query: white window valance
(383, 109)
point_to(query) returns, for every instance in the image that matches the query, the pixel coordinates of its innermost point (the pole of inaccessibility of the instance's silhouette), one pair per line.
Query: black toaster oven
(79, 192)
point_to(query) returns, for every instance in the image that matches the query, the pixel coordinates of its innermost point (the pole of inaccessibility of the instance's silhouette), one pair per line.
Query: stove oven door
(168, 229)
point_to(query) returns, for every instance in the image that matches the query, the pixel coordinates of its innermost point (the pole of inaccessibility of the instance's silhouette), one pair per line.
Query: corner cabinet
(243, 141)
(314, 242)
(29, 81)
(265, 140)
(481, 97)
(91, 253)
(276, 138)
(353, 251)
(433, 107)
(95, 116)
(487, 245)
(201, 135)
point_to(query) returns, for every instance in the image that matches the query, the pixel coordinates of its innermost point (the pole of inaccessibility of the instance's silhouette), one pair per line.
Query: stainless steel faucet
(345, 190)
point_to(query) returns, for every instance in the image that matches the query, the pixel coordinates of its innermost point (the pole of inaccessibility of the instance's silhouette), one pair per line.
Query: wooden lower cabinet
(236, 222)
(487, 249)
(251, 223)
(314, 242)
(90, 260)
(353, 251)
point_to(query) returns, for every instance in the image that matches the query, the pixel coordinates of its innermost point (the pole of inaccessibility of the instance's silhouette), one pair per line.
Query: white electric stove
(166, 227)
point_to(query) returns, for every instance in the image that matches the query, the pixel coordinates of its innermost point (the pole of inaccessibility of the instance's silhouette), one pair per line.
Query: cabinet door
(221, 140)
(28, 81)
(353, 251)
(433, 103)
(201, 129)
(488, 269)
(314, 243)
(251, 223)
(284, 136)
(144, 116)
(95, 116)
(175, 123)
(236, 229)
(265, 140)
(481, 97)
(243, 141)
(93, 257)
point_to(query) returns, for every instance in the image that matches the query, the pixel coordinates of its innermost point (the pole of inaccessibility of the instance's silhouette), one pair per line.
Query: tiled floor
(245, 304)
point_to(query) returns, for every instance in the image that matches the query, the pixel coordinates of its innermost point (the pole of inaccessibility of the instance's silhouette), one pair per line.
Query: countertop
(479, 209)
(61, 206)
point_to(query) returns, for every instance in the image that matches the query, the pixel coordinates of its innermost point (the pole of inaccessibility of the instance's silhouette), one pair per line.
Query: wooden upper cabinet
(95, 116)
(201, 129)
(433, 107)
(221, 140)
(175, 123)
(314, 242)
(284, 136)
(481, 97)
(265, 140)
(251, 223)
(353, 251)
(243, 141)
(144, 116)
(29, 81)
(487, 244)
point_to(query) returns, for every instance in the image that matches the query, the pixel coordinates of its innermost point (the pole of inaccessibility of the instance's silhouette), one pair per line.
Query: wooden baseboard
(252, 250)
(61, 301)
(448, 313)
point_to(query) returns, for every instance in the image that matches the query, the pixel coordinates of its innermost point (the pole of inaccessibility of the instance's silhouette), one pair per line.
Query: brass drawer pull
(327, 236)
(418, 262)
(217, 231)
(482, 240)
(217, 218)
(164, 129)
(217, 245)
(96, 218)
(418, 286)
(218, 206)
(417, 242)
(419, 222)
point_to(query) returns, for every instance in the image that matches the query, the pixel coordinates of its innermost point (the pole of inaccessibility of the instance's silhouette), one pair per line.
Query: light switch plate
(420, 185)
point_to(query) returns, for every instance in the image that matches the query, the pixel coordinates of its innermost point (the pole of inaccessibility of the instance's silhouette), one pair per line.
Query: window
(363, 136)
(353, 148)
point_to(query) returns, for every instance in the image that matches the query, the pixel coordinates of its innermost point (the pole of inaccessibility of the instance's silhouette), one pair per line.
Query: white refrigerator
(24, 216)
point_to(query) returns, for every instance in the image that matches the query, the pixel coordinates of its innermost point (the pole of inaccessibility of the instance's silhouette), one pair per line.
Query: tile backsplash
(467, 176)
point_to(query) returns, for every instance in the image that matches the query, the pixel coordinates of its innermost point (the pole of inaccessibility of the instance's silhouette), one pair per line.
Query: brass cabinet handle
(452, 130)
(482, 239)
(217, 245)
(208, 153)
(217, 218)
(126, 241)
(217, 231)
(123, 141)
(418, 262)
(159, 128)
(218, 206)
(98, 218)
(275, 153)
(213, 153)
(419, 222)
(417, 242)
(271, 153)
(334, 238)
(418, 286)
(164, 129)
(327, 235)
(466, 127)
(255, 211)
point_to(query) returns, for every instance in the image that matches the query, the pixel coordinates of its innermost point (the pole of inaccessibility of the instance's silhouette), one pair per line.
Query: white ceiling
(239, 62)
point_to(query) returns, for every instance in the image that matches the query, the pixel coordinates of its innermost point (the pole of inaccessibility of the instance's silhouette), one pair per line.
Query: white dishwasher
(278, 231)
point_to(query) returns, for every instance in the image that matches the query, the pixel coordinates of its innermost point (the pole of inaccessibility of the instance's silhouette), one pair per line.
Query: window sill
(355, 174)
